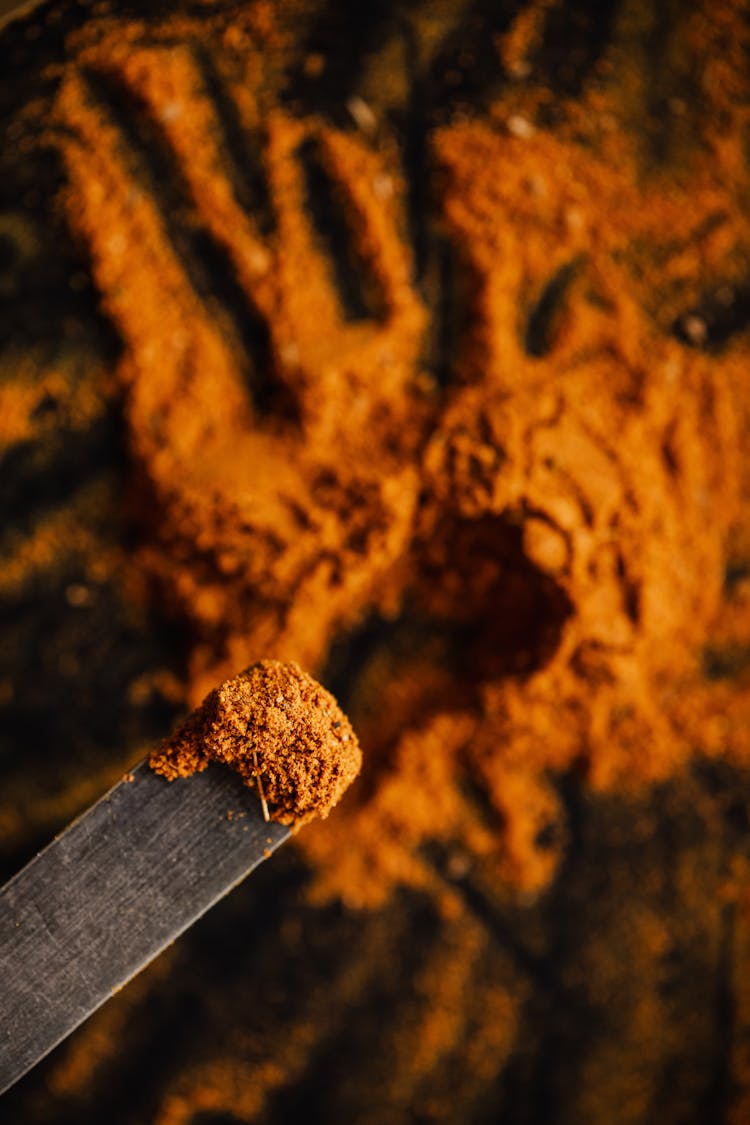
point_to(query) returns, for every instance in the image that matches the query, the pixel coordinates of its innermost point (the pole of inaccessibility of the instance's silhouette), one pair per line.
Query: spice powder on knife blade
(280, 730)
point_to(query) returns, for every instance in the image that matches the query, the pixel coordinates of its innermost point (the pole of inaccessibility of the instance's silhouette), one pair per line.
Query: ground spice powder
(280, 730)
(451, 409)
(552, 526)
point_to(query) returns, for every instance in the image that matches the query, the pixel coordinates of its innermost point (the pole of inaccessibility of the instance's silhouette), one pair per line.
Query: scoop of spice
(280, 730)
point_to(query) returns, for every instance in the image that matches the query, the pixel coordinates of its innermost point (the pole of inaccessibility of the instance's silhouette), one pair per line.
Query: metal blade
(108, 894)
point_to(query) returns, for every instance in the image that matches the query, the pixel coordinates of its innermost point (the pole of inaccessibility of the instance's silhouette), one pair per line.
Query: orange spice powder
(547, 536)
(280, 730)
(571, 508)
(529, 563)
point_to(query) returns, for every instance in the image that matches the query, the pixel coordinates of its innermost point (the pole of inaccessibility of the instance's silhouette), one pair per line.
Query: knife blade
(111, 892)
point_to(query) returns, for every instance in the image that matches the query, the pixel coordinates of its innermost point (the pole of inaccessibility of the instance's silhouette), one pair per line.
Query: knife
(111, 892)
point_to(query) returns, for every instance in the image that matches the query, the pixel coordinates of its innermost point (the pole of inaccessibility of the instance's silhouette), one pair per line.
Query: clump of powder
(280, 730)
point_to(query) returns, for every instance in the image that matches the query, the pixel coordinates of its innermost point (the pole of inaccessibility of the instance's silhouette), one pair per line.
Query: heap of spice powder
(505, 512)
(278, 729)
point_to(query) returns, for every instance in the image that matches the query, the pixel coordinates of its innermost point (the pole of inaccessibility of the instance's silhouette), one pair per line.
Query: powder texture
(432, 343)
(511, 513)
(279, 730)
